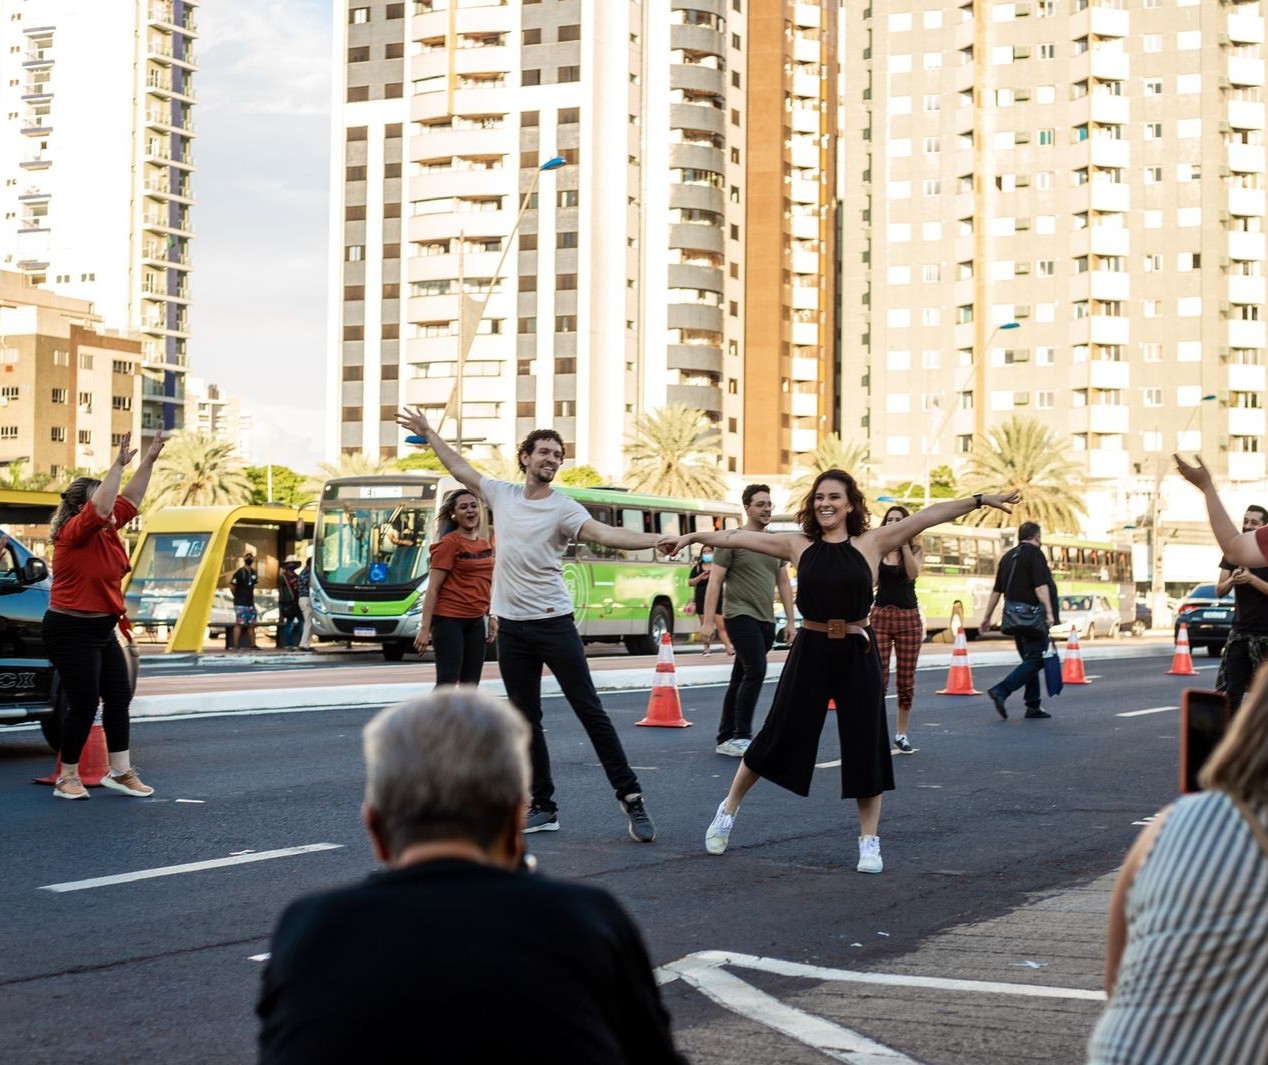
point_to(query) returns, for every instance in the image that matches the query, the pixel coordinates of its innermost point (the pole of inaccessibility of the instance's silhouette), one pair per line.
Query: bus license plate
(363, 631)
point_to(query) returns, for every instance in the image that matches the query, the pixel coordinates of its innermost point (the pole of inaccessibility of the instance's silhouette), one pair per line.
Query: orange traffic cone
(94, 761)
(960, 677)
(664, 708)
(1072, 667)
(1182, 660)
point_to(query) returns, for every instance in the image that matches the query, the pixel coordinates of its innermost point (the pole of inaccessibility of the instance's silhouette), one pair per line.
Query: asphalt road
(998, 845)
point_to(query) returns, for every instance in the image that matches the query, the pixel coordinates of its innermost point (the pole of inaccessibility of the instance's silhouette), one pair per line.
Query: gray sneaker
(733, 748)
(719, 832)
(642, 828)
(539, 820)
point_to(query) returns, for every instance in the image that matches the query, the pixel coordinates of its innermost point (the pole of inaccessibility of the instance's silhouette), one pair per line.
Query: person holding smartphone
(896, 621)
(1247, 644)
(1187, 947)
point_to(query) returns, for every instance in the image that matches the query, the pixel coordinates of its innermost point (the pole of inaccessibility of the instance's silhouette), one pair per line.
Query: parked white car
(1092, 615)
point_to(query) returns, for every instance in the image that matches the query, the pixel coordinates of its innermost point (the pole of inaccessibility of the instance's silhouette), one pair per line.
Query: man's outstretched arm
(1239, 548)
(416, 422)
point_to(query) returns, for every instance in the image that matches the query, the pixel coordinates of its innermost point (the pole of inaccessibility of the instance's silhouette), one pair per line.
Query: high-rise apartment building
(1093, 174)
(69, 389)
(623, 286)
(213, 412)
(96, 103)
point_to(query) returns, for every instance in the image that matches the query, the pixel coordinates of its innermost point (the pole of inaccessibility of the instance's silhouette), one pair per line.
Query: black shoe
(1038, 712)
(1000, 708)
(539, 820)
(642, 828)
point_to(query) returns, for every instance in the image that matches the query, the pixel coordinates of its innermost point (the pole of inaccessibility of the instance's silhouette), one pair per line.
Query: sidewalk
(221, 686)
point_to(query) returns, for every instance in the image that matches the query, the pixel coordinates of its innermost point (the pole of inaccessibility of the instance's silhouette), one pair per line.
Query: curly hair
(77, 494)
(530, 442)
(446, 516)
(856, 521)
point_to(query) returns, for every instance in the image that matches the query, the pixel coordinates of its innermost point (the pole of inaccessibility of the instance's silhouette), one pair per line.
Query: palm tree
(832, 453)
(1022, 455)
(13, 475)
(675, 451)
(197, 470)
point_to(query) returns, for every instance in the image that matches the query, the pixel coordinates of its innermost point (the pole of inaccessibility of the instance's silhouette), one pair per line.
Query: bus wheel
(660, 622)
(394, 650)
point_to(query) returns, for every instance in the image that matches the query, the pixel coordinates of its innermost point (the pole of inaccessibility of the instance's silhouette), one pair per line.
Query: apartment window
(1151, 397)
(354, 213)
(354, 253)
(565, 323)
(119, 366)
(566, 74)
(358, 133)
(8, 432)
(565, 282)
(1047, 136)
(359, 55)
(393, 90)
(85, 401)
(60, 395)
(531, 76)
(390, 331)
(355, 173)
(1046, 356)
(569, 115)
(527, 325)
(568, 198)
(931, 187)
(357, 15)
(84, 436)
(57, 434)
(391, 251)
(392, 130)
(1153, 86)
(1153, 131)
(1045, 267)
(354, 332)
(1047, 51)
(565, 408)
(569, 33)
(85, 361)
(358, 93)
(533, 36)
(566, 366)
(1044, 399)
(353, 373)
(396, 50)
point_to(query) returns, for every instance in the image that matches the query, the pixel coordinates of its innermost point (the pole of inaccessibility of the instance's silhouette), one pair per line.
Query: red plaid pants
(901, 629)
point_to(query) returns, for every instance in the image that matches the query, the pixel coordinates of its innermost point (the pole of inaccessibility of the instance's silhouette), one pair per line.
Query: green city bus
(370, 555)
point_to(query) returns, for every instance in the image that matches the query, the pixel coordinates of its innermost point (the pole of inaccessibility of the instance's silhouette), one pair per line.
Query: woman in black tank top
(897, 624)
(833, 656)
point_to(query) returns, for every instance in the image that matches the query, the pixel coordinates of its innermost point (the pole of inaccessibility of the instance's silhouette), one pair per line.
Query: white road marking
(1149, 710)
(188, 867)
(199, 801)
(828, 765)
(259, 957)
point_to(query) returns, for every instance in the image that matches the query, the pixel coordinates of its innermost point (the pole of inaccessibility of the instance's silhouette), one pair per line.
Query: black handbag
(1022, 619)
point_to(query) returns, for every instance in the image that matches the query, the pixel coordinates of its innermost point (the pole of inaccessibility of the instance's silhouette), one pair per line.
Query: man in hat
(288, 612)
(243, 584)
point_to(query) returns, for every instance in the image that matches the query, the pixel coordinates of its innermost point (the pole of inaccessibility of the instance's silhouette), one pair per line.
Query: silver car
(1091, 615)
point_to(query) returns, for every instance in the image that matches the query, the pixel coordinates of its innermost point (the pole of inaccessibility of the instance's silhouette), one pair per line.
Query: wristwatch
(977, 499)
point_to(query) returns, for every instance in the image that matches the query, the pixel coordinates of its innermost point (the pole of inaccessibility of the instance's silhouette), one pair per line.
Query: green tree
(419, 460)
(832, 453)
(581, 477)
(197, 470)
(675, 451)
(288, 485)
(1022, 455)
(13, 475)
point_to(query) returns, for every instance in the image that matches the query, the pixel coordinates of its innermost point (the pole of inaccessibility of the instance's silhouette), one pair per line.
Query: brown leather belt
(836, 628)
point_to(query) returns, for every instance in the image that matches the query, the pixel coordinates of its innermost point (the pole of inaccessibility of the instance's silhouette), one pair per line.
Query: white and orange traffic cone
(1182, 660)
(94, 760)
(1072, 667)
(960, 676)
(664, 708)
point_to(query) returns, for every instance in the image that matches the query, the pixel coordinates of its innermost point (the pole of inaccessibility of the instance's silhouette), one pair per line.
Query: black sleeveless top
(894, 587)
(834, 581)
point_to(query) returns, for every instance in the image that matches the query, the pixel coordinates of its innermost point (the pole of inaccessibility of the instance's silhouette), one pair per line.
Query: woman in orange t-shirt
(85, 606)
(456, 617)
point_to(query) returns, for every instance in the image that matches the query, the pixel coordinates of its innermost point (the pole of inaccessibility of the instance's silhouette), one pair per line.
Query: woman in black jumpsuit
(833, 656)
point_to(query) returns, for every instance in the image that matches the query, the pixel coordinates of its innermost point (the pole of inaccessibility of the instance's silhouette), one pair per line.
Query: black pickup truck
(29, 686)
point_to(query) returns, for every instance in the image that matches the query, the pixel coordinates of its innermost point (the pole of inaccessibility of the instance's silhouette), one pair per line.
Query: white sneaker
(870, 854)
(731, 748)
(715, 840)
(741, 745)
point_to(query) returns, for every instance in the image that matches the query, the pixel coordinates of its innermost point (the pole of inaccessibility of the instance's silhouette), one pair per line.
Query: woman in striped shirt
(1187, 958)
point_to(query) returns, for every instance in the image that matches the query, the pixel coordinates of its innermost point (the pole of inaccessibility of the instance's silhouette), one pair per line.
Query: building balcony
(1105, 22)
(697, 39)
(697, 157)
(805, 297)
(1103, 465)
(1107, 240)
(1243, 71)
(1245, 421)
(701, 277)
(805, 405)
(164, 256)
(1109, 197)
(36, 162)
(805, 334)
(806, 120)
(696, 237)
(805, 262)
(698, 397)
(807, 86)
(697, 116)
(1245, 466)
(701, 197)
(1246, 289)
(806, 50)
(1245, 29)
(804, 227)
(1109, 153)
(694, 358)
(1249, 247)
(1109, 66)
(1245, 158)
(164, 223)
(1109, 110)
(1245, 114)
(36, 127)
(804, 369)
(1106, 329)
(163, 120)
(1105, 374)
(805, 440)
(1246, 378)
(1109, 285)
(1246, 334)
(37, 59)
(804, 153)
(1106, 418)
(1246, 202)
(699, 316)
(161, 156)
(698, 78)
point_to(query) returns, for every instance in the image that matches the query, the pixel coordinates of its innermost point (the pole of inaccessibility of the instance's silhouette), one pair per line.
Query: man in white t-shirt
(534, 609)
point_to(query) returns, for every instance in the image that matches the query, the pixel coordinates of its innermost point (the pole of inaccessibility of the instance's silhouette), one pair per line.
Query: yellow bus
(185, 556)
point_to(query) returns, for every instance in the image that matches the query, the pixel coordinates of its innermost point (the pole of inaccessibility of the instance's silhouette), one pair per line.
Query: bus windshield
(163, 576)
(368, 536)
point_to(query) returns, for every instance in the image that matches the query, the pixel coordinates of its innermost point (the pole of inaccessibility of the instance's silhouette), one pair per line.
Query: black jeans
(459, 647)
(752, 640)
(93, 670)
(524, 647)
(1026, 674)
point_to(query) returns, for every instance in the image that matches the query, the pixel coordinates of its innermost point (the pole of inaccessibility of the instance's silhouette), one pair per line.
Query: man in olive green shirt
(750, 579)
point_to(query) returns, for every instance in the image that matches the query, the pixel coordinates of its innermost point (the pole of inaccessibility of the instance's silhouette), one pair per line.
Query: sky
(258, 317)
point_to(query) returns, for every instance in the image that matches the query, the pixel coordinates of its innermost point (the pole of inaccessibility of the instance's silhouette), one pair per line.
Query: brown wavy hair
(904, 512)
(446, 516)
(529, 443)
(856, 522)
(76, 496)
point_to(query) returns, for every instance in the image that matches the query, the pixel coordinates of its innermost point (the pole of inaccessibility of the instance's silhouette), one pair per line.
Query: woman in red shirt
(85, 605)
(456, 607)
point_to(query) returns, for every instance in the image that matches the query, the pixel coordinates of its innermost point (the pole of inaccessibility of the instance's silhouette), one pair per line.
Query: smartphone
(1204, 716)
(414, 438)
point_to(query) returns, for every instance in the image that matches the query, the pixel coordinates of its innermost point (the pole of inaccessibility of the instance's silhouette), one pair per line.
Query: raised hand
(126, 451)
(415, 421)
(1001, 502)
(156, 448)
(1198, 476)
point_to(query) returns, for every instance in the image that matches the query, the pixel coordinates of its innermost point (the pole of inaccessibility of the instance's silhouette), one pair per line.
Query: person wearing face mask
(699, 582)
(896, 620)
(456, 606)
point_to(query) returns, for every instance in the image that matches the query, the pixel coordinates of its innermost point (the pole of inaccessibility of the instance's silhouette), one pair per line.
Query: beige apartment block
(69, 389)
(1094, 173)
(692, 143)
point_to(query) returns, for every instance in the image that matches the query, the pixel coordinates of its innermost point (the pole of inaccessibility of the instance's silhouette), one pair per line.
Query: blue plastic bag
(1052, 669)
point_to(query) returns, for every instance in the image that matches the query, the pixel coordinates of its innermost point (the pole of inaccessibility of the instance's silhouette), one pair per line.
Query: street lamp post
(1157, 586)
(469, 323)
(942, 423)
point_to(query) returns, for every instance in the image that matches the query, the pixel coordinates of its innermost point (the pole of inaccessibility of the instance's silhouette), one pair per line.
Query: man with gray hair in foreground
(453, 949)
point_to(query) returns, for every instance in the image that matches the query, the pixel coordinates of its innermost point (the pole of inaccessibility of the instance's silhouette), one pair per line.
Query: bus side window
(589, 550)
(673, 525)
(639, 521)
